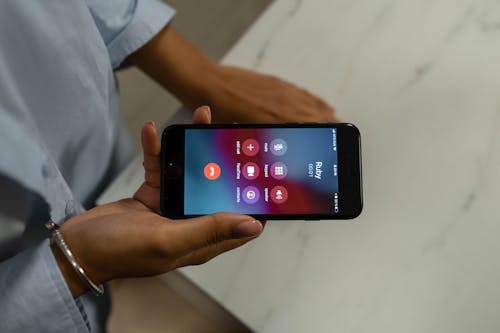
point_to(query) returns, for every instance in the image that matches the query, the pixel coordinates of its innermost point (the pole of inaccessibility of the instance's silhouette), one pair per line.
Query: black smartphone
(271, 172)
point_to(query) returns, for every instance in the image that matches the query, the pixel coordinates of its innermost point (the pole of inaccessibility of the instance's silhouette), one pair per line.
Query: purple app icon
(278, 147)
(278, 170)
(250, 194)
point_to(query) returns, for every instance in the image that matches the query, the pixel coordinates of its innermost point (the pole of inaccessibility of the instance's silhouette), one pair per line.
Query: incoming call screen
(261, 171)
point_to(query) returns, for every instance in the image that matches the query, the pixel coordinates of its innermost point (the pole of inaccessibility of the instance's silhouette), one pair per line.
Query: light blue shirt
(61, 141)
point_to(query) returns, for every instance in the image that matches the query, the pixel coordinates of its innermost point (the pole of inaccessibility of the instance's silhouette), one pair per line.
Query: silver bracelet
(98, 290)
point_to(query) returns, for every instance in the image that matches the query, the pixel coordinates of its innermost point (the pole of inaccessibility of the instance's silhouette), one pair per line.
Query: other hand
(235, 94)
(245, 96)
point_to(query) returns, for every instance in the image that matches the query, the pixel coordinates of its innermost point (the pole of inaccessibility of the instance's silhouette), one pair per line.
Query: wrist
(73, 281)
(202, 86)
(74, 269)
(229, 96)
(217, 88)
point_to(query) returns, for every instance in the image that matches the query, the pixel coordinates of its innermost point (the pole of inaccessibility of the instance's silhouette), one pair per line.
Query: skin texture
(234, 94)
(128, 238)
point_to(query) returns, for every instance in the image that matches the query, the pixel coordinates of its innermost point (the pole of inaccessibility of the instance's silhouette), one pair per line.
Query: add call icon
(250, 147)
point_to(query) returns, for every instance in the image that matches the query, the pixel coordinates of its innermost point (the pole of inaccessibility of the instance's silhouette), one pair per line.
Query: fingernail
(207, 110)
(152, 123)
(247, 229)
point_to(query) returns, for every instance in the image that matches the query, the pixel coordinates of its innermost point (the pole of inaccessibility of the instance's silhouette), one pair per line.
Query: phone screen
(261, 171)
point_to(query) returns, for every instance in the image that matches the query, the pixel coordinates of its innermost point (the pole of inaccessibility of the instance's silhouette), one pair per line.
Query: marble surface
(421, 79)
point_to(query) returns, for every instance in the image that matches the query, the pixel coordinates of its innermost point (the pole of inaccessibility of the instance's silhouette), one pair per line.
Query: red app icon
(212, 171)
(250, 147)
(279, 194)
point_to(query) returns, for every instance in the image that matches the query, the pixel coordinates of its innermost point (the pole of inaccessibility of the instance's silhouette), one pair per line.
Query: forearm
(175, 64)
(234, 94)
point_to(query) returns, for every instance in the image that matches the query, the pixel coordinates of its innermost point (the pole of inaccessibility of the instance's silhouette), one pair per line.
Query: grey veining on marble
(421, 79)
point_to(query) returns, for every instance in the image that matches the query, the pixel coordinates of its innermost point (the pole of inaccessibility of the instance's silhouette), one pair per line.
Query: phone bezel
(349, 170)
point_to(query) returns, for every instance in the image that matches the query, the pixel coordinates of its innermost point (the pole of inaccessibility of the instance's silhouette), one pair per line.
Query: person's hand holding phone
(128, 238)
(149, 192)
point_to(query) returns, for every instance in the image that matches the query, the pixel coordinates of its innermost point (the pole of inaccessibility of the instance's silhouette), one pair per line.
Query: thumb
(213, 229)
(148, 193)
(151, 147)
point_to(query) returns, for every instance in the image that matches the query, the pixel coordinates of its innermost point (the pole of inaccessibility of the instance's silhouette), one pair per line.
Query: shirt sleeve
(126, 25)
(34, 296)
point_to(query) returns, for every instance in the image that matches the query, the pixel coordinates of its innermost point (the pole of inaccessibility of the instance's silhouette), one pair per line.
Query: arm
(236, 95)
(137, 32)
(39, 291)
(33, 293)
(174, 63)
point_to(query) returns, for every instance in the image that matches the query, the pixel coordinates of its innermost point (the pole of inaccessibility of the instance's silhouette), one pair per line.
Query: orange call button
(212, 171)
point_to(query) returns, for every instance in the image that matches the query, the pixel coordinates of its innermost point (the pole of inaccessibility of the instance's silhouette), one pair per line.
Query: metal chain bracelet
(98, 290)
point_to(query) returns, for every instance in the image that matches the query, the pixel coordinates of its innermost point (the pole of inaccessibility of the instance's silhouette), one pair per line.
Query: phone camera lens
(172, 171)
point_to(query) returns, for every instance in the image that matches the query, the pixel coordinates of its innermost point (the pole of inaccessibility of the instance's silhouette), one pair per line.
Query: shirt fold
(35, 296)
(127, 27)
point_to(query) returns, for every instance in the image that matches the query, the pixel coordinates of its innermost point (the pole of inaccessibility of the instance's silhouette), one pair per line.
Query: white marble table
(421, 79)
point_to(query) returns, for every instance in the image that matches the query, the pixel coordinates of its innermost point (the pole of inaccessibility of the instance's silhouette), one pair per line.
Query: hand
(235, 94)
(128, 239)
(149, 192)
(245, 96)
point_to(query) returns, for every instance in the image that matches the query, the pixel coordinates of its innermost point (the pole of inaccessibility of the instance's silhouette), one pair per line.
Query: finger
(192, 234)
(151, 147)
(334, 119)
(207, 253)
(321, 112)
(329, 114)
(149, 139)
(329, 117)
(202, 115)
(149, 196)
(325, 107)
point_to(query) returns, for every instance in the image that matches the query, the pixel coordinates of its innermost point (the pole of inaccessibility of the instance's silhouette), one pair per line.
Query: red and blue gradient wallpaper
(260, 171)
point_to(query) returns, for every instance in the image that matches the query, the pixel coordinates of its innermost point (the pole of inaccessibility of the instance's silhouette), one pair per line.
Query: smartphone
(271, 172)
